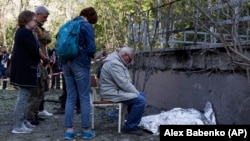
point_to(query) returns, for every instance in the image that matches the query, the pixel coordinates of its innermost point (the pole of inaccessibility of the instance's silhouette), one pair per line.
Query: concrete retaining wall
(190, 78)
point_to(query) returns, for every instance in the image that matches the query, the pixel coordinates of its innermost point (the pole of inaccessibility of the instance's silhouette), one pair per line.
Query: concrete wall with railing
(189, 77)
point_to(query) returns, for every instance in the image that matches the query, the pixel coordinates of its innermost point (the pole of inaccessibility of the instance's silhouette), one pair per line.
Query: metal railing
(185, 23)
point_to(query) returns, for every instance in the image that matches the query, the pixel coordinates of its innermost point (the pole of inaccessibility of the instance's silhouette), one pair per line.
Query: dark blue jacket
(86, 43)
(25, 58)
(3, 60)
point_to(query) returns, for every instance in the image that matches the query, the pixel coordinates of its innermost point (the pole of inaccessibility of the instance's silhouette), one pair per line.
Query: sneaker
(88, 135)
(45, 113)
(28, 124)
(34, 121)
(26, 128)
(137, 132)
(22, 130)
(39, 118)
(70, 135)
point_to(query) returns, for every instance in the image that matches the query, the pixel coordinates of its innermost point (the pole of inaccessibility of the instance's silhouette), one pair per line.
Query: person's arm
(121, 76)
(97, 57)
(89, 42)
(43, 56)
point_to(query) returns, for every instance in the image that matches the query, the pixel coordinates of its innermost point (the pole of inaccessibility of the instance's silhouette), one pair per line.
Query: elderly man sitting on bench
(116, 86)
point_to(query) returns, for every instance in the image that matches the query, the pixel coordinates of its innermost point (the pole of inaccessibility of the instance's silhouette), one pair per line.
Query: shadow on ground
(52, 128)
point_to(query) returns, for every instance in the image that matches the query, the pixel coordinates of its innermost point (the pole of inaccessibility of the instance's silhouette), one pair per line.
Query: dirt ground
(52, 128)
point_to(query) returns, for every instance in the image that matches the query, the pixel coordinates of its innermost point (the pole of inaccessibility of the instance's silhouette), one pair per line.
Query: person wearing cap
(77, 76)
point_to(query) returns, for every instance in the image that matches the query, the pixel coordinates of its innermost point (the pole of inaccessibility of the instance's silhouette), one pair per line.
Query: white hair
(41, 10)
(127, 50)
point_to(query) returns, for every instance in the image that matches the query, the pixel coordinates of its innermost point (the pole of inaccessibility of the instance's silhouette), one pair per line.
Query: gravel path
(52, 128)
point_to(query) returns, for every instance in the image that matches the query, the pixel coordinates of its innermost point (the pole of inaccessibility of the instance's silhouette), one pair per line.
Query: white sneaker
(24, 126)
(45, 113)
(21, 130)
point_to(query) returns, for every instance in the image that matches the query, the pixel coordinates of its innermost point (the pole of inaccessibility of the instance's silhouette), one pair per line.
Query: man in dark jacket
(4, 58)
(56, 69)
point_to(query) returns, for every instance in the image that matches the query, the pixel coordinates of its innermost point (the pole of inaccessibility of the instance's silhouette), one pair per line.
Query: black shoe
(33, 121)
(137, 132)
(78, 111)
(60, 98)
(39, 118)
(59, 111)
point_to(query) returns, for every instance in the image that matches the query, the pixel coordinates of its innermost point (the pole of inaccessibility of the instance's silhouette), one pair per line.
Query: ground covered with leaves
(52, 128)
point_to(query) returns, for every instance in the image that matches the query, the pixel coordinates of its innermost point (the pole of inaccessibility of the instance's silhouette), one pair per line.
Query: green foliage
(111, 28)
(10, 32)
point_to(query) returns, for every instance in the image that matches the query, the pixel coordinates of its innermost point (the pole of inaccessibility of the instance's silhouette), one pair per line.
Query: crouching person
(116, 86)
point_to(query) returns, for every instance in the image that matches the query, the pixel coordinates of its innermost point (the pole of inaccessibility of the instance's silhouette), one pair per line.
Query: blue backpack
(67, 40)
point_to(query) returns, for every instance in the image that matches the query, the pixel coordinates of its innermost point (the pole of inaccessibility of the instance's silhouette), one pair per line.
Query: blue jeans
(135, 111)
(77, 79)
(3, 73)
(23, 95)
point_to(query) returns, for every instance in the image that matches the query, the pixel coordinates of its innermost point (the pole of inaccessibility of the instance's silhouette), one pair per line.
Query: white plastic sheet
(179, 116)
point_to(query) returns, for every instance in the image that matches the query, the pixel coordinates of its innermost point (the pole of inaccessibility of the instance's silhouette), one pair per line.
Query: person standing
(24, 61)
(101, 55)
(116, 86)
(63, 98)
(35, 107)
(56, 70)
(48, 67)
(77, 76)
(4, 57)
(98, 61)
(44, 37)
